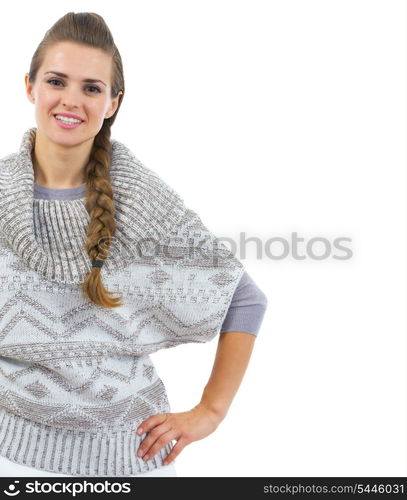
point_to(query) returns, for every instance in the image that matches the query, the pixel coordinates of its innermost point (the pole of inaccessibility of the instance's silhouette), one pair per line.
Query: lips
(66, 125)
(68, 116)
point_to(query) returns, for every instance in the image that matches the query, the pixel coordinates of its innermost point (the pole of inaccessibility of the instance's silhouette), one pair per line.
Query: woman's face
(53, 94)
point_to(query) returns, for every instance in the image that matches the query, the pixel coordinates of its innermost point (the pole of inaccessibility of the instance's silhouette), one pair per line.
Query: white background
(272, 118)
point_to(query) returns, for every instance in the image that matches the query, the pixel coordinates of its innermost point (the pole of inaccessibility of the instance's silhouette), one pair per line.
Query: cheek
(97, 108)
(46, 101)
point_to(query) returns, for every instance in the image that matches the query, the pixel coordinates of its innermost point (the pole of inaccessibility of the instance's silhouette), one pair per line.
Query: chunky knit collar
(146, 207)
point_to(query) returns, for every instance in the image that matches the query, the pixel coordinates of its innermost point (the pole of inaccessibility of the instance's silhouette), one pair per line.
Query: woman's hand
(185, 427)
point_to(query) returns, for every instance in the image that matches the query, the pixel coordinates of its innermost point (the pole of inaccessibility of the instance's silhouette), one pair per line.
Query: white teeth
(67, 120)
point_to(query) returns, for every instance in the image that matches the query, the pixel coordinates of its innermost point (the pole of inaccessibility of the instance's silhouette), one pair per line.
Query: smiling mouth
(81, 121)
(67, 125)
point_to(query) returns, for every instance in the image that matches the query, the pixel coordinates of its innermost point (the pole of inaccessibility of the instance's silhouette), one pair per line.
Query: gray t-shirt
(249, 303)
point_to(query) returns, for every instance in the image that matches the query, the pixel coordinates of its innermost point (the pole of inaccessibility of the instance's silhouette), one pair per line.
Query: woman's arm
(232, 357)
(231, 360)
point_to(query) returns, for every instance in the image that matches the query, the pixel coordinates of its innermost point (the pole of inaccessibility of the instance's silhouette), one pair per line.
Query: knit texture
(76, 379)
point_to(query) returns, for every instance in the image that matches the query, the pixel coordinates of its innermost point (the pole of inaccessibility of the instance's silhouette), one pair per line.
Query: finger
(151, 422)
(162, 441)
(152, 437)
(176, 450)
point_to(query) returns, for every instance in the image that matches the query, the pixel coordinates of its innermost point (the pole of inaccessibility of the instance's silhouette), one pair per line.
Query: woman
(79, 393)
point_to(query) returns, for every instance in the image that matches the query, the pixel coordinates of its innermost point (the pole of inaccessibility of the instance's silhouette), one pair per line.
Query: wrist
(217, 413)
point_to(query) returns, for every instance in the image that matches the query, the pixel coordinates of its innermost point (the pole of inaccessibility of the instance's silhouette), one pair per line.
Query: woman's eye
(49, 81)
(92, 87)
(89, 86)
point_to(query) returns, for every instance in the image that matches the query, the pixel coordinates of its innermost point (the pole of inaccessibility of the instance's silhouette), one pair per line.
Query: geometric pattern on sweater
(76, 379)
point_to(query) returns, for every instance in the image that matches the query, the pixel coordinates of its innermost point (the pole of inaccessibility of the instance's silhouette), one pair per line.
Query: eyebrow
(88, 80)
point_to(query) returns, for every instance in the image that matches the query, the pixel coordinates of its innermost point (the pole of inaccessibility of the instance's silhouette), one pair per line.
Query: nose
(71, 97)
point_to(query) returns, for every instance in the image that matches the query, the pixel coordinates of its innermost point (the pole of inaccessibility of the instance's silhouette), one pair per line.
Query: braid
(99, 204)
(89, 29)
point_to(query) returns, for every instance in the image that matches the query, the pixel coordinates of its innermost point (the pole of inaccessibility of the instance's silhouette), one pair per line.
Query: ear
(113, 107)
(29, 88)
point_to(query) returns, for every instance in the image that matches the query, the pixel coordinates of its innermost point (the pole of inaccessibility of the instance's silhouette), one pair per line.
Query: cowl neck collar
(146, 208)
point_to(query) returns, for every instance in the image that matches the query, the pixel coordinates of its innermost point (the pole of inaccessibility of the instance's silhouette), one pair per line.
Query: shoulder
(142, 194)
(9, 160)
(127, 167)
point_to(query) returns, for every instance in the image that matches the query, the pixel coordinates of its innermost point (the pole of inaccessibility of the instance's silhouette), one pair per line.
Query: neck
(59, 167)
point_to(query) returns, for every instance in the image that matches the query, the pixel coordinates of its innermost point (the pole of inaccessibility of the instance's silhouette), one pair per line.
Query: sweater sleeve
(247, 309)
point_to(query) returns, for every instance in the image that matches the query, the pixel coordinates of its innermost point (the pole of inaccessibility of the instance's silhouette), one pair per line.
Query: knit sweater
(249, 303)
(76, 379)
